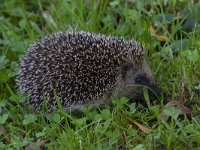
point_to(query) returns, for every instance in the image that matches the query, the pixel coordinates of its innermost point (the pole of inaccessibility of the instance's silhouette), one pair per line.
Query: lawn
(170, 31)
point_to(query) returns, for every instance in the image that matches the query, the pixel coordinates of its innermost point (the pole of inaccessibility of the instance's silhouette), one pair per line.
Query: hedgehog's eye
(141, 80)
(138, 80)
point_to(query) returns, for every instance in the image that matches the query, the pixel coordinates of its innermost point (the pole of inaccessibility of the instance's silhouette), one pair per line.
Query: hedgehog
(81, 68)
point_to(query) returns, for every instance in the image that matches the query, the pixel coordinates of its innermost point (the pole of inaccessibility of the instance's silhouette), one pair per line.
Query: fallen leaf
(152, 30)
(184, 110)
(157, 36)
(177, 105)
(161, 37)
(28, 148)
(38, 144)
(139, 126)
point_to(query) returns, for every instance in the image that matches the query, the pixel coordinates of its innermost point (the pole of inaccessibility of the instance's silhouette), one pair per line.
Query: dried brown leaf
(39, 143)
(177, 105)
(139, 126)
(157, 36)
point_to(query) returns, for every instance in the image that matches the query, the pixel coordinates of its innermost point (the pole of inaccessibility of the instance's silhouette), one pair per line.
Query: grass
(172, 50)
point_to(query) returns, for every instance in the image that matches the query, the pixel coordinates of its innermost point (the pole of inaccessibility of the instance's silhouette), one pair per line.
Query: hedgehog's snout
(136, 80)
(137, 93)
(154, 91)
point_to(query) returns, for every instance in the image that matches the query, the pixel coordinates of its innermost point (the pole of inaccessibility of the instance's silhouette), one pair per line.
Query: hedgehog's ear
(125, 68)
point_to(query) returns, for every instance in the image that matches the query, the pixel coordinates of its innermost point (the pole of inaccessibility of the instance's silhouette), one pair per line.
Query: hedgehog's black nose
(157, 91)
(154, 92)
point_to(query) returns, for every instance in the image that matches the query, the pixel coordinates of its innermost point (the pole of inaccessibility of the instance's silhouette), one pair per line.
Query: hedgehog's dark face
(135, 80)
